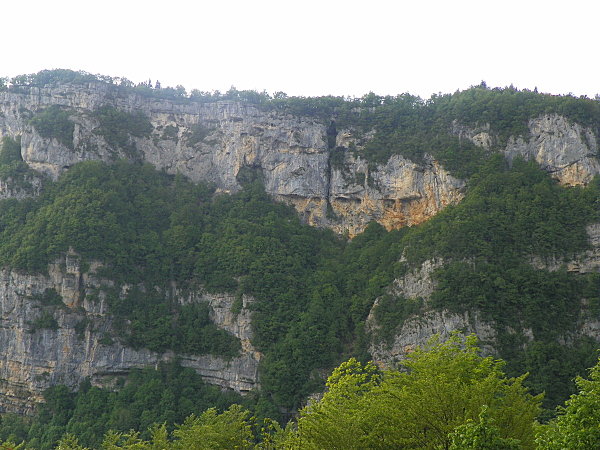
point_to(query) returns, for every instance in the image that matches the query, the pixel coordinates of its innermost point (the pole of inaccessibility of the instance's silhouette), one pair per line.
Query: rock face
(29, 187)
(568, 151)
(586, 262)
(418, 283)
(219, 142)
(50, 339)
(416, 331)
(224, 143)
(396, 194)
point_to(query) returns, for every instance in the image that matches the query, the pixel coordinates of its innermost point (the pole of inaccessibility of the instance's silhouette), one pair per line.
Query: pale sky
(312, 47)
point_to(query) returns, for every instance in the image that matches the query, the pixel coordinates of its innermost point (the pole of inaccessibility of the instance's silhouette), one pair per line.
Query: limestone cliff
(216, 142)
(222, 143)
(20, 189)
(66, 340)
(568, 151)
(417, 329)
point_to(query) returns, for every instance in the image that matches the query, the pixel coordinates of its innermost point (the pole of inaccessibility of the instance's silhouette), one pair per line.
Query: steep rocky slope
(565, 149)
(225, 143)
(420, 284)
(216, 142)
(48, 340)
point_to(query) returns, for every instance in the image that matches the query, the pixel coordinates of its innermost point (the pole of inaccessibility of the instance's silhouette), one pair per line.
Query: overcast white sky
(312, 47)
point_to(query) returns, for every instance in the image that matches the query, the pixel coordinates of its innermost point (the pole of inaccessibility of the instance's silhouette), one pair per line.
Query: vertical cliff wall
(567, 150)
(219, 142)
(419, 284)
(56, 329)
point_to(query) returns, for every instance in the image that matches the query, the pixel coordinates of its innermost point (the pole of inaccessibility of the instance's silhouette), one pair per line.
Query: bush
(55, 122)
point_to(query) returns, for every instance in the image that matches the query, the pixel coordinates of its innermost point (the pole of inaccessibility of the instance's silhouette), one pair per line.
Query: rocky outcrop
(419, 284)
(586, 262)
(568, 151)
(416, 331)
(55, 329)
(28, 186)
(396, 194)
(221, 142)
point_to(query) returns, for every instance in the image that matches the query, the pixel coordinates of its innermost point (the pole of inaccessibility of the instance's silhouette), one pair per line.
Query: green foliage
(13, 428)
(508, 110)
(55, 122)
(578, 423)
(546, 302)
(45, 321)
(510, 213)
(118, 127)
(159, 324)
(197, 134)
(170, 132)
(390, 314)
(167, 395)
(69, 442)
(229, 429)
(81, 326)
(441, 388)
(11, 151)
(552, 366)
(482, 435)
(48, 297)
(248, 175)
(12, 167)
(10, 445)
(55, 76)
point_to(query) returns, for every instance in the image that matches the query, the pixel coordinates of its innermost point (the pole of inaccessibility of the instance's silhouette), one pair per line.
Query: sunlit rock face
(224, 142)
(396, 194)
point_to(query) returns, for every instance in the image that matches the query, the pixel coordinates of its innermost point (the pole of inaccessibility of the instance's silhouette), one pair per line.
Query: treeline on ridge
(403, 124)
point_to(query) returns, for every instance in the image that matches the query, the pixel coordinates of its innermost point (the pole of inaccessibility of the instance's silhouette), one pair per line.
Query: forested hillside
(515, 251)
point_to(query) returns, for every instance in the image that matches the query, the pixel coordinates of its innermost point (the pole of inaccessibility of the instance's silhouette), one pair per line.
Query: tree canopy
(577, 425)
(439, 388)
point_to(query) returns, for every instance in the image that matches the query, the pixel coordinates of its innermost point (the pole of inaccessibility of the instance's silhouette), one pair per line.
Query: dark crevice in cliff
(81, 293)
(331, 150)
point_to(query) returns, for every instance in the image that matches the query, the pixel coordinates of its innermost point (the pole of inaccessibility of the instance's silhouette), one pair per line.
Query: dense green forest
(148, 396)
(312, 289)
